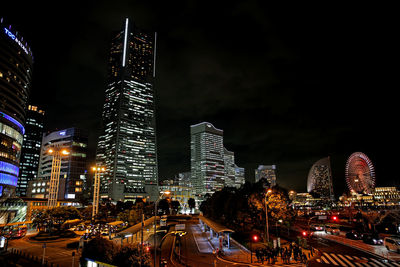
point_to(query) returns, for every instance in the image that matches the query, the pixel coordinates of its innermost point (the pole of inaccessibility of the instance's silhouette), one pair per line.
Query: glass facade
(30, 154)
(268, 172)
(15, 82)
(207, 158)
(127, 146)
(319, 180)
(73, 167)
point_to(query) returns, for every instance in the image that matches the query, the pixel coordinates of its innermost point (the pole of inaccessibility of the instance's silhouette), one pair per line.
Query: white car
(392, 243)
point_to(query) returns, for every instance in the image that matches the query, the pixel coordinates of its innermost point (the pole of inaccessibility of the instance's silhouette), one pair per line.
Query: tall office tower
(30, 153)
(184, 179)
(15, 83)
(268, 172)
(229, 167)
(127, 146)
(207, 158)
(239, 176)
(319, 181)
(73, 166)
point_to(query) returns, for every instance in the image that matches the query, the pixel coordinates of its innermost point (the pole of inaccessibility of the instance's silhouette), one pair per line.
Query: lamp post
(155, 225)
(266, 216)
(57, 153)
(96, 189)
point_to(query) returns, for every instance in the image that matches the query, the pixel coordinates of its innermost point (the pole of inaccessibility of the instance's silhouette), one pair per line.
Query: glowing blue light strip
(10, 168)
(125, 40)
(8, 179)
(11, 119)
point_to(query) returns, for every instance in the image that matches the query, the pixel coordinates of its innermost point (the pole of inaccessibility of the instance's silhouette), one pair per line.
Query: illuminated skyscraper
(319, 180)
(268, 172)
(207, 158)
(15, 83)
(127, 146)
(30, 156)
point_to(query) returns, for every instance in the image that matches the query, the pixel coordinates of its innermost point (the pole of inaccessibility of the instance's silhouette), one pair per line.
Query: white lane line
(339, 260)
(346, 260)
(395, 263)
(330, 259)
(325, 260)
(379, 263)
(373, 264)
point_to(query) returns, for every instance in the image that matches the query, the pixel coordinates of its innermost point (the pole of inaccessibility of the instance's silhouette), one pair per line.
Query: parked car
(316, 227)
(354, 235)
(392, 243)
(331, 229)
(372, 239)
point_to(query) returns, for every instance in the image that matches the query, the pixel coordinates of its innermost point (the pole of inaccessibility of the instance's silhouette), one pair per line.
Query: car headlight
(374, 240)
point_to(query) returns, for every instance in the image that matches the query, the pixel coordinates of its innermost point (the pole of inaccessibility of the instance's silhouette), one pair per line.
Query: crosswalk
(353, 261)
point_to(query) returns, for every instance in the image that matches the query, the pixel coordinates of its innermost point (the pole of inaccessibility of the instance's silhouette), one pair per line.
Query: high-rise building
(239, 176)
(229, 167)
(207, 158)
(268, 172)
(30, 154)
(127, 146)
(73, 166)
(15, 82)
(319, 180)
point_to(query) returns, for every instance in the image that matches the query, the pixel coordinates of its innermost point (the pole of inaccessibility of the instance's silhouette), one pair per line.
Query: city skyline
(289, 94)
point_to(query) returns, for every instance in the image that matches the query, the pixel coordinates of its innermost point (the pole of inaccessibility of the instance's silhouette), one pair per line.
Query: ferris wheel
(360, 173)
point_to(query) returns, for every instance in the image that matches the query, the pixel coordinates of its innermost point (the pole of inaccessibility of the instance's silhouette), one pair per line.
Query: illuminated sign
(8, 179)
(62, 133)
(11, 119)
(12, 36)
(10, 168)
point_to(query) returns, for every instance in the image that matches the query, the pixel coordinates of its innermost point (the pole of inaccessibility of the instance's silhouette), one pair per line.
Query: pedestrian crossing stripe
(353, 261)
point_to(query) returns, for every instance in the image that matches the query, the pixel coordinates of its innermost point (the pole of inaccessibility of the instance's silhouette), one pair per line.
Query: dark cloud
(288, 84)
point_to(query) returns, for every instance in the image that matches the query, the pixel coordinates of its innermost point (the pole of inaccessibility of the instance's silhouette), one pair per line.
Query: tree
(163, 205)
(99, 249)
(192, 204)
(55, 217)
(130, 256)
(175, 205)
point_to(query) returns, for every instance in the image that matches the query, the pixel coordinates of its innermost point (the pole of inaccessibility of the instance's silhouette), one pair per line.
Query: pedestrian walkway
(353, 261)
(237, 253)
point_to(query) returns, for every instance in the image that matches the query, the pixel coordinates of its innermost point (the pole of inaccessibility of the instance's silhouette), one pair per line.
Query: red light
(304, 233)
(255, 238)
(147, 249)
(335, 218)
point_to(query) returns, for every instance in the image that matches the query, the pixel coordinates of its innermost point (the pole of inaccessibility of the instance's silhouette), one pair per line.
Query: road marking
(346, 260)
(395, 263)
(378, 262)
(325, 260)
(339, 260)
(330, 259)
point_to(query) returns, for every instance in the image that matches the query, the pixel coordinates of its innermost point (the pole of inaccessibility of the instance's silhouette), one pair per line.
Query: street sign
(180, 227)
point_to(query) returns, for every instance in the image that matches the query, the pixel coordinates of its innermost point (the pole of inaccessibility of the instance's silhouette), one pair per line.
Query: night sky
(288, 84)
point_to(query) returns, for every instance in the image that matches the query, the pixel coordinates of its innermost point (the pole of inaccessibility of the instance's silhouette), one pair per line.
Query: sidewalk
(239, 254)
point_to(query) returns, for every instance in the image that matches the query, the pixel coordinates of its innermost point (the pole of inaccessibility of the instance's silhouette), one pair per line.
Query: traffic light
(147, 249)
(304, 233)
(335, 218)
(255, 238)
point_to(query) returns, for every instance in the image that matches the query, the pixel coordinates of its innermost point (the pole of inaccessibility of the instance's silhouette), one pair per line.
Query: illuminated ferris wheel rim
(354, 164)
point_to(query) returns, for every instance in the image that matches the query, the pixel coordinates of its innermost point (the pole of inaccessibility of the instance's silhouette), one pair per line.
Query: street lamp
(57, 153)
(266, 216)
(96, 189)
(155, 224)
